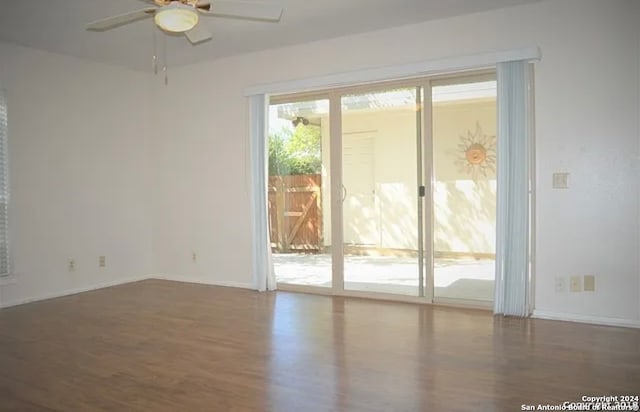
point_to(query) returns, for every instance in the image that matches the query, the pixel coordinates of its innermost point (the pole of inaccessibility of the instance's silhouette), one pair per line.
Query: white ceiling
(59, 26)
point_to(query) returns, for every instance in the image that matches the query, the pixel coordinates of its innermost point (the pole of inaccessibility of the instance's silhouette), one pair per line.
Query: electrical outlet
(560, 180)
(589, 283)
(102, 261)
(561, 284)
(194, 257)
(71, 264)
(575, 284)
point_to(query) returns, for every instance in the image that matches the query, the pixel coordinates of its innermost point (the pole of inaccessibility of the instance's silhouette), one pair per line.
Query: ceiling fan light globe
(176, 17)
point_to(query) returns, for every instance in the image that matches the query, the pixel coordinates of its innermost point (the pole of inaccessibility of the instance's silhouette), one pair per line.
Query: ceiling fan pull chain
(183, 16)
(164, 56)
(154, 58)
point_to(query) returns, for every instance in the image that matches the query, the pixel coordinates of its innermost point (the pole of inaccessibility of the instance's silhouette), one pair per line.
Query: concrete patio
(464, 278)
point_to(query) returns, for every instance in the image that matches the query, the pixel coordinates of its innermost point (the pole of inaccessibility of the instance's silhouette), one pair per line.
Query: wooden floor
(167, 346)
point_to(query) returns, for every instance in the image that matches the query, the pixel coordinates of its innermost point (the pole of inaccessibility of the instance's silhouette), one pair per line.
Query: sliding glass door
(380, 140)
(464, 188)
(414, 189)
(299, 192)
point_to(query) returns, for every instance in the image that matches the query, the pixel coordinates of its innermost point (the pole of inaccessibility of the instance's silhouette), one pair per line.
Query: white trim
(192, 279)
(72, 291)
(426, 164)
(335, 177)
(537, 314)
(423, 68)
(174, 278)
(5, 193)
(532, 191)
(595, 320)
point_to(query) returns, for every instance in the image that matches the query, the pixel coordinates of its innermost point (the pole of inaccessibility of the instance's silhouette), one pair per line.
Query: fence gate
(295, 213)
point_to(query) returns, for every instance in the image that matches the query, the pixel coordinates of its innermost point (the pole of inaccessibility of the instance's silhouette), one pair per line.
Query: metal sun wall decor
(477, 153)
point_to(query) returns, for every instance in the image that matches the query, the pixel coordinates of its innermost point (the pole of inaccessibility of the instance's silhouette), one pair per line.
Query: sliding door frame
(337, 215)
(426, 160)
(444, 80)
(425, 175)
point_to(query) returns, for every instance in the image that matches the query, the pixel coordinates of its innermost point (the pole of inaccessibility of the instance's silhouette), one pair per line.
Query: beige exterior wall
(464, 209)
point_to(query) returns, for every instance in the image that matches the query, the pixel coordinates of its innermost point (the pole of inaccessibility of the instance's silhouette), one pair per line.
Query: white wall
(79, 176)
(587, 105)
(200, 178)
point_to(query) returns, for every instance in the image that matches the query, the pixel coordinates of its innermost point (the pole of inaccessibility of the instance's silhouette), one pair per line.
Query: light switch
(575, 284)
(561, 180)
(589, 283)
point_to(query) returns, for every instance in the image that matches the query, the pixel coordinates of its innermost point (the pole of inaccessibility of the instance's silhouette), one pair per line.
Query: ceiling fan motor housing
(182, 16)
(192, 3)
(176, 17)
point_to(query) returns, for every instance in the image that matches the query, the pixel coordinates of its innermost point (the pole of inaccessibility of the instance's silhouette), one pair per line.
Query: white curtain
(513, 201)
(263, 273)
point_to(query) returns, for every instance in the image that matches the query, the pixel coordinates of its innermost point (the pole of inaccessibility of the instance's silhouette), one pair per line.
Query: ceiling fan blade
(122, 19)
(198, 34)
(241, 10)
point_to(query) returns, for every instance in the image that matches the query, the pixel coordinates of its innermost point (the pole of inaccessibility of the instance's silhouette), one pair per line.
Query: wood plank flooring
(169, 346)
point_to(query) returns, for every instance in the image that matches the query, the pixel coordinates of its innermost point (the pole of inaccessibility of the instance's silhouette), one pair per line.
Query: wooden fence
(295, 213)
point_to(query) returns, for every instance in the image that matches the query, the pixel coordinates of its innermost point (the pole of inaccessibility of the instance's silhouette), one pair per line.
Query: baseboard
(175, 278)
(595, 320)
(191, 279)
(68, 292)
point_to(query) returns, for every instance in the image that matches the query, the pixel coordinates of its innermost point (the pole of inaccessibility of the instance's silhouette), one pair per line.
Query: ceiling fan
(181, 16)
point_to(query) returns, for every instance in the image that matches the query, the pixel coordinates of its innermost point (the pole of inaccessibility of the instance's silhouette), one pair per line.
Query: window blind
(512, 283)
(4, 189)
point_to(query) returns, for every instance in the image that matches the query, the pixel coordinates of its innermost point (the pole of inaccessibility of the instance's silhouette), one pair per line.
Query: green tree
(305, 141)
(278, 157)
(295, 152)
